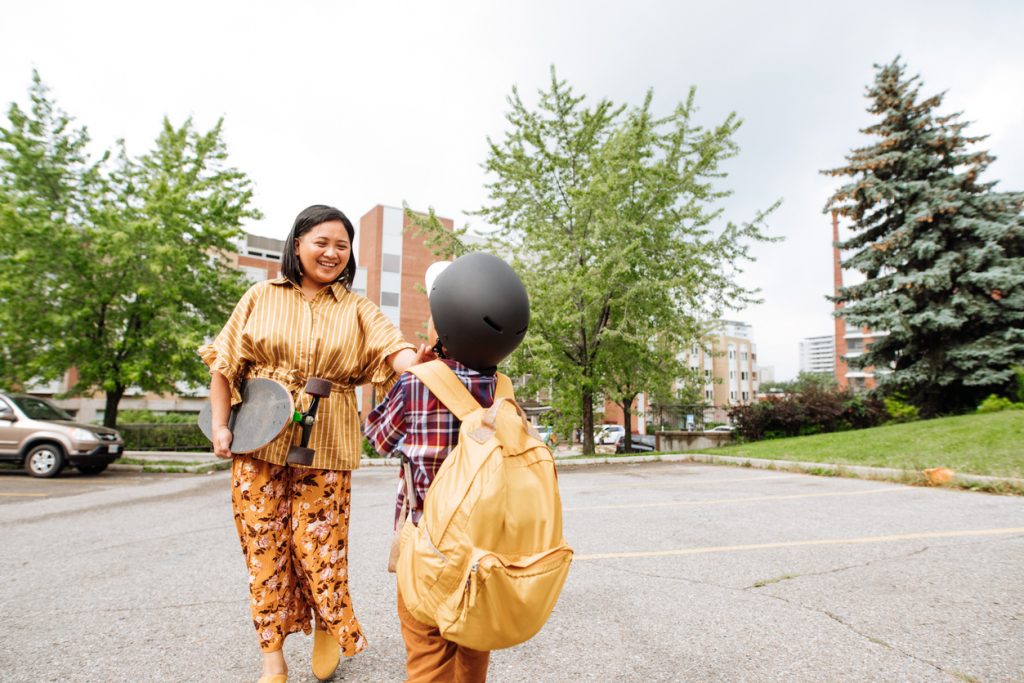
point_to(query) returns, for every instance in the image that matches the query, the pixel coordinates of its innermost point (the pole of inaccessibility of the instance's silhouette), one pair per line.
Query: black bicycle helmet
(480, 310)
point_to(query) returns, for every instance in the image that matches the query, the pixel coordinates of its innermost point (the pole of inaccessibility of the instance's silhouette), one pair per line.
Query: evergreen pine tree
(942, 252)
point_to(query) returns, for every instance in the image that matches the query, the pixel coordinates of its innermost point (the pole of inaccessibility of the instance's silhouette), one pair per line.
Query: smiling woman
(293, 520)
(322, 250)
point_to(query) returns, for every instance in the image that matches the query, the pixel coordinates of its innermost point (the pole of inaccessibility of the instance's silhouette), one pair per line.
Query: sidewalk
(191, 462)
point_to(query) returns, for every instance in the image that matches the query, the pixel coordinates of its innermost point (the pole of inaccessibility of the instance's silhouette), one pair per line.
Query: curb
(816, 468)
(201, 467)
(971, 481)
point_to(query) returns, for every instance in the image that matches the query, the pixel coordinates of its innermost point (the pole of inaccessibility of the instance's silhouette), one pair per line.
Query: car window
(38, 409)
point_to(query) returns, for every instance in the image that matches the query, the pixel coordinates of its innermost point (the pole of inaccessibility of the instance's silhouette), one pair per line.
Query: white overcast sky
(357, 104)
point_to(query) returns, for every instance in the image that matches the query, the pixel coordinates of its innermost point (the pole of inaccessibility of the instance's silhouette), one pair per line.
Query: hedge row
(163, 437)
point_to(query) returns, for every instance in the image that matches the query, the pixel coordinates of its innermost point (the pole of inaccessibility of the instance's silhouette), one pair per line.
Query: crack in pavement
(836, 618)
(115, 610)
(797, 605)
(861, 565)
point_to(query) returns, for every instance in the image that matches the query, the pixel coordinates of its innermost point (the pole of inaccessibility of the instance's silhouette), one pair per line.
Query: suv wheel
(45, 460)
(92, 467)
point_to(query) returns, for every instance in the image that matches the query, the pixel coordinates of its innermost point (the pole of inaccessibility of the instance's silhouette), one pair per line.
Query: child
(481, 313)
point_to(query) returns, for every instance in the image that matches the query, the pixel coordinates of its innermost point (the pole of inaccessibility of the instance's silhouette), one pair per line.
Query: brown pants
(293, 525)
(429, 658)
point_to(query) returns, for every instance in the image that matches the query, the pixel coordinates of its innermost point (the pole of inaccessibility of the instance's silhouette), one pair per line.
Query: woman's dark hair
(309, 218)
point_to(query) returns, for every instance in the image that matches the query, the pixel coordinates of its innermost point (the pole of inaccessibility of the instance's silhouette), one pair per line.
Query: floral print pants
(293, 525)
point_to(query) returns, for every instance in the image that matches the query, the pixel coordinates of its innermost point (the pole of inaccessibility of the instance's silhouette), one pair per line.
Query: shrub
(899, 411)
(368, 450)
(995, 404)
(813, 410)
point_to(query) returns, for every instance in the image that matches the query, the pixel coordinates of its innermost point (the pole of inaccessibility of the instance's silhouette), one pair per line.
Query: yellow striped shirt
(277, 333)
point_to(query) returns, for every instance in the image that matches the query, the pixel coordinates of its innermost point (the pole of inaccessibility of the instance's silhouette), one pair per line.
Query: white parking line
(794, 544)
(723, 501)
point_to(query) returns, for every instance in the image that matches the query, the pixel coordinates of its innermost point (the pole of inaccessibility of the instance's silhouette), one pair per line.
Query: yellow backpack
(488, 559)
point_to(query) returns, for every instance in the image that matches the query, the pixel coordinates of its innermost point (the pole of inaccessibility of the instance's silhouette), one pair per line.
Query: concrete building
(732, 362)
(726, 361)
(850, 341)
(818, 354)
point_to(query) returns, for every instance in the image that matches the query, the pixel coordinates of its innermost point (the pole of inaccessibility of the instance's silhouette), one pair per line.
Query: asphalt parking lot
(683, 573)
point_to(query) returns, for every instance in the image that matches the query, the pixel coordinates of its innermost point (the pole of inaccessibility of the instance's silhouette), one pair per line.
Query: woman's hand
(222, 437)
(220, 409)
(424, 355)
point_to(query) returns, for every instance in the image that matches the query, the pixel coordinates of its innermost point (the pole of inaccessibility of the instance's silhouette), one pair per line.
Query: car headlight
(84, 435)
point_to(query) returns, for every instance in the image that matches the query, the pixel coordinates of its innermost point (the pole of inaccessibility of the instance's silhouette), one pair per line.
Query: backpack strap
(503, 388)
(440, 379)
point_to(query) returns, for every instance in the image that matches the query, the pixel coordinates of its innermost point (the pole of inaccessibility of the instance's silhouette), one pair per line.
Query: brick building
(392, 261)
(851, 341)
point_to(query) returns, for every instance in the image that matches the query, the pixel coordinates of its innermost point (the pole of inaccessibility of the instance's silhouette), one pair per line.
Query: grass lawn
(988, 444)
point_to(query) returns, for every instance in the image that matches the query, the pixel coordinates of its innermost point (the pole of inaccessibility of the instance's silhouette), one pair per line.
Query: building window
(732, 395)
(732, 374)
(732, 353)
(743, 375)
(707, 374)
(746, 396)
(391, 263)
(709, 395)
(388, 299)
(743, 356)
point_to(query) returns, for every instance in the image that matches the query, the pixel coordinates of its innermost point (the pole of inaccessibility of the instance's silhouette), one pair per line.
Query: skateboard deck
(266, 409)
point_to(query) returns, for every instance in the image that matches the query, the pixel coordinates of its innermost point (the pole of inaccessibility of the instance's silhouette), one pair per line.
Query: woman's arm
(400, 360)
(220, 408)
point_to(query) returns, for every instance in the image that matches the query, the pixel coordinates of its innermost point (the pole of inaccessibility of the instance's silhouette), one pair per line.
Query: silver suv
(43, 438)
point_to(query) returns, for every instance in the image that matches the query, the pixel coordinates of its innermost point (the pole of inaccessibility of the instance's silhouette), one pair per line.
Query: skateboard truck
(317, 388)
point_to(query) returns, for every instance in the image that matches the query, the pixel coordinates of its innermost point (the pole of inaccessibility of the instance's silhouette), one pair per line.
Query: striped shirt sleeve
(382, 339)
(229, 352)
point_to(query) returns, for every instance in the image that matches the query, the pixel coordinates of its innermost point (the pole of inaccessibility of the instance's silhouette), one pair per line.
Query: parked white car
(609, 434)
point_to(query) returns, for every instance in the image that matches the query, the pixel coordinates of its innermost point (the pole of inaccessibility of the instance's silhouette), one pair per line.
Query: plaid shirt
(413, 421)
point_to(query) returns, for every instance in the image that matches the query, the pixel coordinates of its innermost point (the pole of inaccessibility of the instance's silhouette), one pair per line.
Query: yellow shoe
(326, 653)
(276, 678)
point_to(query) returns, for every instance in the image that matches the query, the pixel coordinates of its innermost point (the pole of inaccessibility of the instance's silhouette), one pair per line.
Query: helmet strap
(438, 349)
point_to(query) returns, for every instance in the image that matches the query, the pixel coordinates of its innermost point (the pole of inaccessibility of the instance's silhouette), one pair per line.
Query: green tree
(126, 277)
(47, 186)
(609, 216)
(942, 252)
(634, 362)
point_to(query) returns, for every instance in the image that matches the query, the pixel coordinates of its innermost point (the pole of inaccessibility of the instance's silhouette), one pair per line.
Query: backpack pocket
(420, 565)
(506, 599)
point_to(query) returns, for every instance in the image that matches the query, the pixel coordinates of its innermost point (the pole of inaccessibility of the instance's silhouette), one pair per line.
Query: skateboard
(267, 408)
